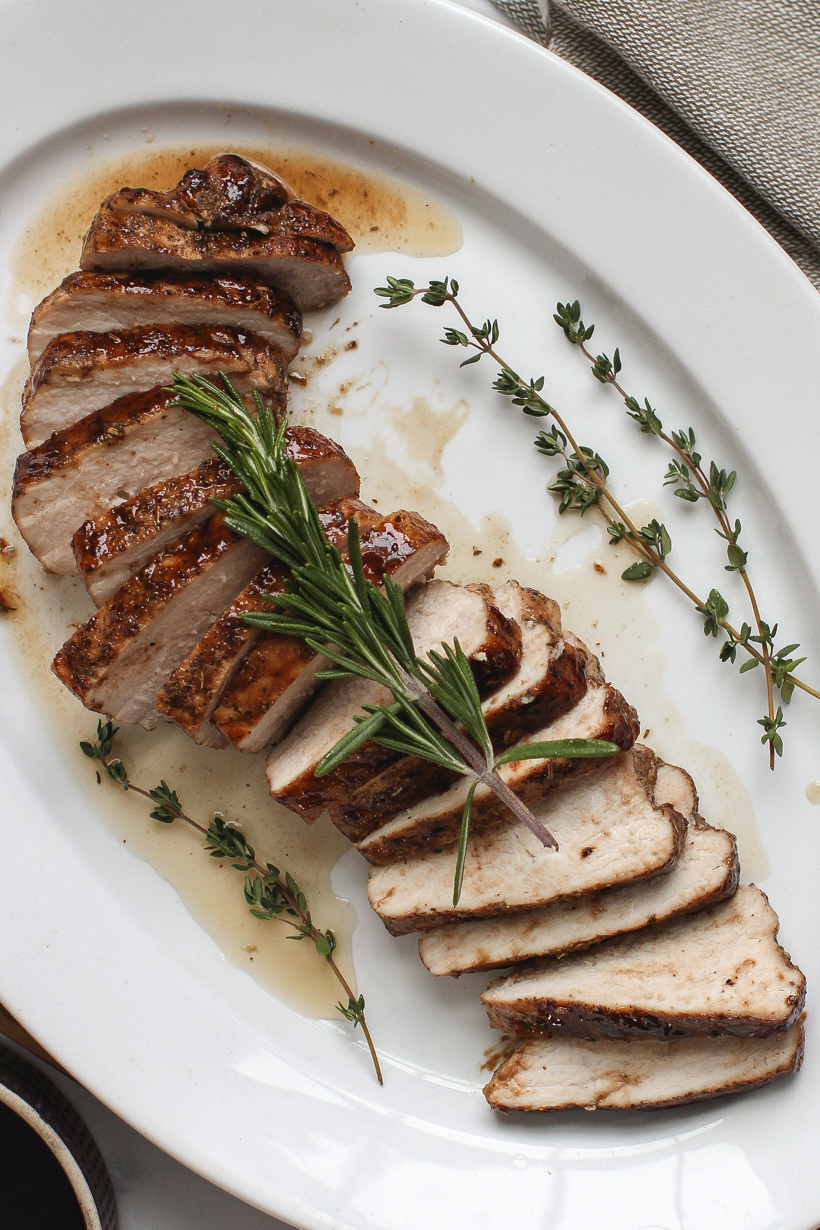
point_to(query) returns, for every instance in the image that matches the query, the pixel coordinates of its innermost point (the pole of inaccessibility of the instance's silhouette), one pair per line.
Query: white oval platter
(561, 190)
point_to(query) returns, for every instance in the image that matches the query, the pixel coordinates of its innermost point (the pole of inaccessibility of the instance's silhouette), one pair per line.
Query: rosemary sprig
(270, 894)
(436, 711)
(583, 484)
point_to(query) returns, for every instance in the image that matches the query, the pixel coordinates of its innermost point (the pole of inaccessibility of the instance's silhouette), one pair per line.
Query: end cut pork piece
(435, 822)
(564, 1073)
(706, 872)
(228, 218)
(193, 691)
(110, 547)
(717, 972)
(437, 613)
(105, 302)
(609, 831)
(274, 682)
(232, 193)
(550, 680)
(117, 662)
(79, 373)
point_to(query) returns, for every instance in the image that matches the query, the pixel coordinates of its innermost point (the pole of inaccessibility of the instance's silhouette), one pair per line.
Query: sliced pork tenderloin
(82, 471)
(609, 831)
(109, 302)
(118, 661)
(272, 685)
(706, 872)
(437, 613)
(565, 1073)
(232, 193)
(435, 822)
(717, 972)
(110, 547)
(79, 373)
(193, 691)
(550, 680)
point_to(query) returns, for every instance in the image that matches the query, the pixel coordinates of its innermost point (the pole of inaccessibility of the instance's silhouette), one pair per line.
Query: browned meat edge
(83, 661)
(311, 796)
(193, 690)
(621, 726)
(276, 661)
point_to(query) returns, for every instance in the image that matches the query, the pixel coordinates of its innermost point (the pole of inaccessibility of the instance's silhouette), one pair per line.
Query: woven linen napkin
(736, 83)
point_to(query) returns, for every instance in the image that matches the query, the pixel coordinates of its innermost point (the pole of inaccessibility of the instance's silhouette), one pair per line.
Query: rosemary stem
(480, 765)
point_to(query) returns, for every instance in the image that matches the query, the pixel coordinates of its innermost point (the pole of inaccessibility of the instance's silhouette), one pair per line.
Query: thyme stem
(116, 771)
(705, 486)
(584, 483)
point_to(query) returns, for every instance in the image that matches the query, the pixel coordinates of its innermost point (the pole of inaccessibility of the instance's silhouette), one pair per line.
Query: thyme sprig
(270, 894)
(583, 484)
(436, 712)
(688, 476)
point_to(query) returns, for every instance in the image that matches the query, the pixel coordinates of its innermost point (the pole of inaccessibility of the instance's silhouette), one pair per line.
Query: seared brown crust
(276, 661)
(492, 665)
(81, 372)
(532, 1012)
(135, 524)
(83, 661)
(270, 307)
(74, 356)
(136, 241)
(620, 726)
(184, 500)
(586, 1021)
(556, 692)
(390, 542)
(617, 1083)
(104, 427)
(408, 780)
(193, 691)
(232, 193)
(501, 657)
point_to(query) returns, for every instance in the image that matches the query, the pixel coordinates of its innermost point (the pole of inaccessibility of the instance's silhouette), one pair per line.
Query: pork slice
(195, 688)
(310, 271)
(101, 460)
(706, 872)
(609, 831)
(105, 302)
(565, 1073)
(232, 193)
(551, 679)
(272, 686)
(79, 373)
(117, 662)
(435, 822)
(111, 546)
(717, 972)
(437, 613)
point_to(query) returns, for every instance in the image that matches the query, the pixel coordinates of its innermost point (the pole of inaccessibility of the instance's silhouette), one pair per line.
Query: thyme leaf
(582, 484)
(271, 894)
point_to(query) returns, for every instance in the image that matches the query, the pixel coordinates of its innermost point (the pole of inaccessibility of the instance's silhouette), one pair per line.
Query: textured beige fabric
(736, 83)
